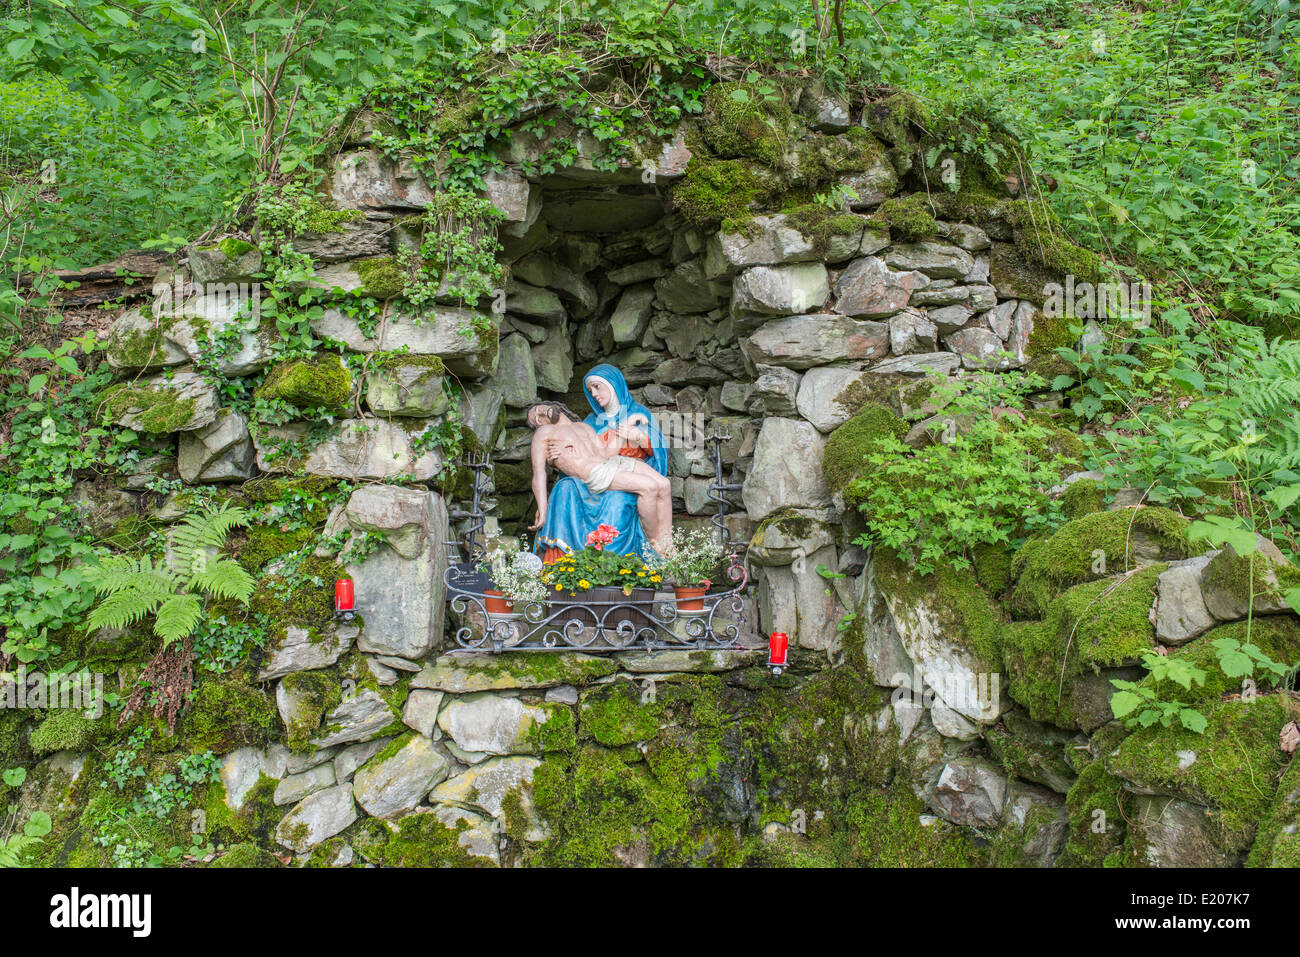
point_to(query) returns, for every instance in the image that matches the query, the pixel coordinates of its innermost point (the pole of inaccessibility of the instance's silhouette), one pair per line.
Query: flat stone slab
(460, 674)
(653, 662)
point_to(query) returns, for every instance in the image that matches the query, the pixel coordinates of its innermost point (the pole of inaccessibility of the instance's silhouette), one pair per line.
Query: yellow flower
(559, 588)
(655, 578)
(583, 583)
(625, 571)
(640, 574)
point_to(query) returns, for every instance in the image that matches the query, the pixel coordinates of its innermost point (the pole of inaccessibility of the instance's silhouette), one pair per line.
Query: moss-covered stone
(947, 603)
(909, 218)
(1232, 768)
(1277, 841)
(381, 277)
(739, 121)
(1082, 497)
(1277, 636)
(1099, 624)
(305, 599)
(1096, 820)
(1092, 547)
(992, 567)
(416, 840)
(320, 383)
(66, 729)
(160, 410)
(850, 444)
(717, 193)
(246, 855)
(227, 713)
(314, 695)
(896, 118)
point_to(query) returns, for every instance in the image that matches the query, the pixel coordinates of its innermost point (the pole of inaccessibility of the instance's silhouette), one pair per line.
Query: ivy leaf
(1123, 702)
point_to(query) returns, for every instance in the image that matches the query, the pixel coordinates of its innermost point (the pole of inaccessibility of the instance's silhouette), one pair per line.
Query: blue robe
(572, 512)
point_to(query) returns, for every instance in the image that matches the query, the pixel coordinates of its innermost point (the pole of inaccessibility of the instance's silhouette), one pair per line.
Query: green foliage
(15, 846)
(595, 568)
(458, 248)
(46, 550)
(983, 483)
(172, 590)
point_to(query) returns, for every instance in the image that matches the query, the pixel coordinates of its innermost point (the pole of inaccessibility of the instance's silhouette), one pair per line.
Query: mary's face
(601, 392)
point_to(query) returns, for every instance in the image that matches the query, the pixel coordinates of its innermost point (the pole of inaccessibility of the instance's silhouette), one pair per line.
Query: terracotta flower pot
(497, 603)
(691, 597)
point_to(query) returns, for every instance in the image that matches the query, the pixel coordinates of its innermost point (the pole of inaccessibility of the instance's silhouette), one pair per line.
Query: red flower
(602, 536)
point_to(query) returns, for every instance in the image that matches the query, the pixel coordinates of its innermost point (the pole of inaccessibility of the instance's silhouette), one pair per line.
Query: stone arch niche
(778, 319)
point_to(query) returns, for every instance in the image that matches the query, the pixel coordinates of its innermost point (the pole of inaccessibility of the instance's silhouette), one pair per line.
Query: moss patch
(1074, 553)
(1235, 768)
(321, 383)
(159, 410)
(909, 218)
(850, 444)
(717, 192)
(1091, 626)
(381, 277)
(228, 713)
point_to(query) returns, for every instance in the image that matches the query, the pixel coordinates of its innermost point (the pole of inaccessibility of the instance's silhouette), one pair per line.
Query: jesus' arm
(539, 446)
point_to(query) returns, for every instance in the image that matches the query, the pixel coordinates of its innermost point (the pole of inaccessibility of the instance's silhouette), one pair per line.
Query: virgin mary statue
(573, 512)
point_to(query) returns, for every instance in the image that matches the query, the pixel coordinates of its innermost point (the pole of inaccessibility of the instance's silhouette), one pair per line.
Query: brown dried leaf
(1289, 739)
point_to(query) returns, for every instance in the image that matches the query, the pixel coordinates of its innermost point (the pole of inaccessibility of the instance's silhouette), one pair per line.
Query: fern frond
(206, 530)
(123, 608)
(177, 617)
(224, 578)
(119, 573)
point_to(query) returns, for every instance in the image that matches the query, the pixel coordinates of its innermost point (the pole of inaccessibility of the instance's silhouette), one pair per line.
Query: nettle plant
(173, 590)
(982, 481)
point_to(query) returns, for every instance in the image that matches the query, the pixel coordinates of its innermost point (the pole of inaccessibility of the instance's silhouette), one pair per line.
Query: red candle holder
(777, 649)
(344, 599)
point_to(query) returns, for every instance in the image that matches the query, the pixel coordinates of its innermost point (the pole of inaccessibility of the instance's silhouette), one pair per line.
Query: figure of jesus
(561, 439)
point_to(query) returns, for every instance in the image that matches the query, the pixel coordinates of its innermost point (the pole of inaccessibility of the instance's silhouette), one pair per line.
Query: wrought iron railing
(581, 623)
(584, 623)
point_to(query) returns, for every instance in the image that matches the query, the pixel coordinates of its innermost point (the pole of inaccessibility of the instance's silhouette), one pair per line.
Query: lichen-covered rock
(869, 289)
(936, 260)
(444, 836)
(495, 724)
(788, 290)
(220, 452)
(490, 785)
(787, 469)
(950, 629)
(910, 332)
(296, 648)
(408, 386)
(137, 341)
(370, 450)
(829, 396)
(242, 768)
(401, 598)
(295, 787)
(464, 674)
(420, 713)
(1180, 609)
(181, 402)
(801, 342)
(361, 718)
(788, 534)
(978, 348)
(317, 818)
(398, 777)
(465, 339)
(794, 599)
(971, 792)
(1169, 833)
(553, 362)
